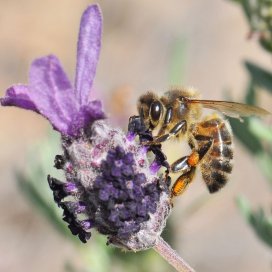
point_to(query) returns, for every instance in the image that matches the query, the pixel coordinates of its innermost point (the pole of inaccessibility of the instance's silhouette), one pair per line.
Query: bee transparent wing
(232, 109)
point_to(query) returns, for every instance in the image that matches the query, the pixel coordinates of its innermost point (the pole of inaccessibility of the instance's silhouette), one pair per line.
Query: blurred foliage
(261, 223)
(260, 77)
(256, 136)
(259, 17)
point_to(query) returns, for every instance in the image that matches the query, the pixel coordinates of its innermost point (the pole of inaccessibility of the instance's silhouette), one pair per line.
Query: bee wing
(232, 109)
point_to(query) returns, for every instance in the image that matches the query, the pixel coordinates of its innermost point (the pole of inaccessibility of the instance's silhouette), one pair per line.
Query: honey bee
(177, 114)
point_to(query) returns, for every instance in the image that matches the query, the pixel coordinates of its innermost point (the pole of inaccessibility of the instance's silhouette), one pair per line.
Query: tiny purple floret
(71, 187)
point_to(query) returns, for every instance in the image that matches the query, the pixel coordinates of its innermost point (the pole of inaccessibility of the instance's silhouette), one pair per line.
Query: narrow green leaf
(266, 44)
(262, 226)
(244, 206)
(247, 9)
(246, 137)
(261, 223)
(251, 94)
(241, 129)
(260, 76)
(265, 162)
(260, 130)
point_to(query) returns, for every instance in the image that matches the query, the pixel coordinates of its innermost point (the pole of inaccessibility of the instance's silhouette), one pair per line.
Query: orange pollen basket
(193, 159)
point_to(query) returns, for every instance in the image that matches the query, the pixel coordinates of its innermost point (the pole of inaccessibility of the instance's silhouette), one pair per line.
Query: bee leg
(160, 157)
(180, 126)
(168, 180)
(182, 182)
(137, 127)
(187, 165)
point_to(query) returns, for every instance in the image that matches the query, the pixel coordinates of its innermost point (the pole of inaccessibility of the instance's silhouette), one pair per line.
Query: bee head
(150, 109)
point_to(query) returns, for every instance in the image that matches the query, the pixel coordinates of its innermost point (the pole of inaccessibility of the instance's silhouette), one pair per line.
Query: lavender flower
(110, 183)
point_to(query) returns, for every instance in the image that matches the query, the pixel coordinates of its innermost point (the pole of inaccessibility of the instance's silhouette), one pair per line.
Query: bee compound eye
(155, 111)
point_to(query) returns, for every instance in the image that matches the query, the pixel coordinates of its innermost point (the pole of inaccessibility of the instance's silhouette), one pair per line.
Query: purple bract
(50, 93)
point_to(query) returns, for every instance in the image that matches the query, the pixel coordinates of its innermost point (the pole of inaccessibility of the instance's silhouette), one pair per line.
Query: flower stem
(171, 256)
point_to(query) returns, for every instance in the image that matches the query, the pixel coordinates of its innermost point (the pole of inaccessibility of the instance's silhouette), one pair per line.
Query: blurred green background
(146, 45)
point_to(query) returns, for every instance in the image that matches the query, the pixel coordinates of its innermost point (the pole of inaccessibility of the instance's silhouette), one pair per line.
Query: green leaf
(260, 222)
(264, 134)
(260, 76)
(266, 44)
(260, 130)
(244, 206)
(241, 129)
(262, 226)
(265, 162)
(253, 134)
(251, 94)
(246, 137)
(247, 9)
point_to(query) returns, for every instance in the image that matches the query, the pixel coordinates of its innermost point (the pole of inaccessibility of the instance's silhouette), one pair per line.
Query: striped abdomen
(216, 165)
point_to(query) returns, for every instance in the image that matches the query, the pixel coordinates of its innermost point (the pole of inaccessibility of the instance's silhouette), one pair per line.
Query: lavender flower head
(110, 185)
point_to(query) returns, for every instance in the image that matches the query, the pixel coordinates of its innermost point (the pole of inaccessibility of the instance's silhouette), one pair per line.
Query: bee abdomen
(216, 165)
(215, 172)
(222, 165)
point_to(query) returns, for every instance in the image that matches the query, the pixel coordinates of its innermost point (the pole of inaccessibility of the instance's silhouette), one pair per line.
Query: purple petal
(88, 49)
(52, 93)
(86, 115)
(18, 95)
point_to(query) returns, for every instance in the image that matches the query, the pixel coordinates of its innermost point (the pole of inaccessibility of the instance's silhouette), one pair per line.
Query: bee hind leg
(187, 166)
(182, 182)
